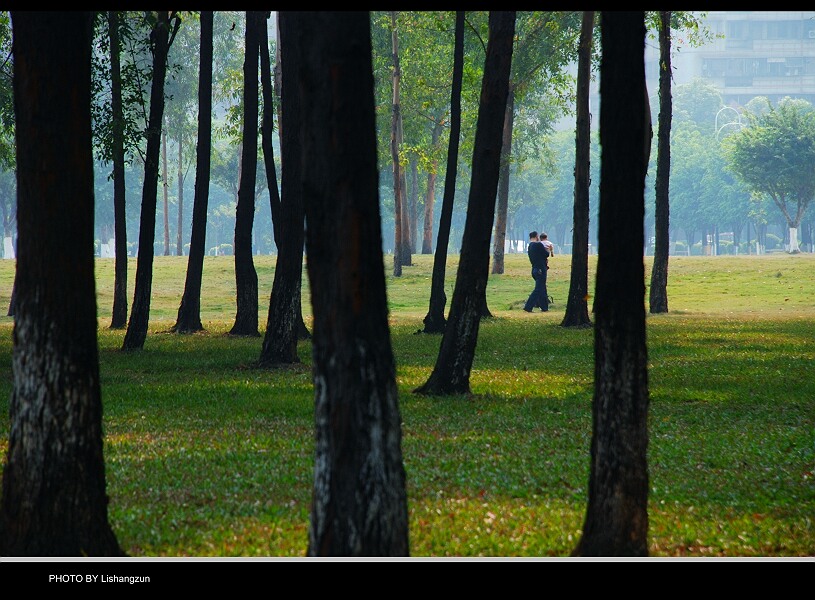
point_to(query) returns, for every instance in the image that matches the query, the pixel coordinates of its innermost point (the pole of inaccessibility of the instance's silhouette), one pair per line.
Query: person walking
(550, 251)
(538, 255)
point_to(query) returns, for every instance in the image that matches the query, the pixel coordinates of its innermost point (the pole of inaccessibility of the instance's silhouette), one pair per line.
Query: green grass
(207, 455)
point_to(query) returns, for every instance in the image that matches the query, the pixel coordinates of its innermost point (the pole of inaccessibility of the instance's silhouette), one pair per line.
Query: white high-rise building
(752, 53)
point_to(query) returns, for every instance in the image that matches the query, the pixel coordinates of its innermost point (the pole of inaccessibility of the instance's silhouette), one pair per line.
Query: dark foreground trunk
(359, 505)
(54, 501)
(616, 521)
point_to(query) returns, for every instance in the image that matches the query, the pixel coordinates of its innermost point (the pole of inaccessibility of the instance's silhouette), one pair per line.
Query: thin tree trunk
(430, 194)
(435, 321)
(398, 191)
(503, 187)
(179, 242)
(189, 312)
(658, 298)
(119, 312)
(451, 374)
(359, 504)
(140, 314)
(414, 202)
(616, 522)
(246, 278)
(407, 251)
(285, 311)
(302, 331)
(165, 184)
(54, 500)
(577, 304)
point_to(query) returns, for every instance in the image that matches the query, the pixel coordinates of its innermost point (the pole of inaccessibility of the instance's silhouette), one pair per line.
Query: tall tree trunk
(503, 187)
(414, 203)
(359, 505)
(302, 331)
(398, 191)
(139, 316)
(577, 304)
(285, 311)
(179, 238)
(435, 321)
(165, 184)
(54, 501)
(407, 226)
(189, 312)
(658, 295)
(430, 194)
(118, 317)
(451, 374)
(616, 521)
(246, 278)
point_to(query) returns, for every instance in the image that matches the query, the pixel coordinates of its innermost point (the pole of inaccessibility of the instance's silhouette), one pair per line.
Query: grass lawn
(207, 455)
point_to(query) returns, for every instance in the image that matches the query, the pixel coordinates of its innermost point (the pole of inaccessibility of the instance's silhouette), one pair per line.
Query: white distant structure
(108, 250)
(8, 248)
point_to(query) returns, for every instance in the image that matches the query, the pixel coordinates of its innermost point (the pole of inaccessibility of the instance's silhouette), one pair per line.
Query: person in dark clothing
(550, 251)
(538, 255)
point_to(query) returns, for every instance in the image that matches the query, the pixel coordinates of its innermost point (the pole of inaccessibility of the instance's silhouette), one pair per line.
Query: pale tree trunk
(165, 184)
(430, 195)
(414, 202)
(179, 240)
(407, 227)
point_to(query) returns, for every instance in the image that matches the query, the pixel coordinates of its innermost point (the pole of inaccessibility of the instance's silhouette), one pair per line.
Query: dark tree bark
(54, 501)
(435, 320)
(616, 521)
(140, 314)
(302, 331)
(359, 505)
(188, 319)
(658, 295)
(451, 374)
(246, 278)
(398, 190)
(577, 304)
(285, 312)
(119, 313)
(503, 187)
